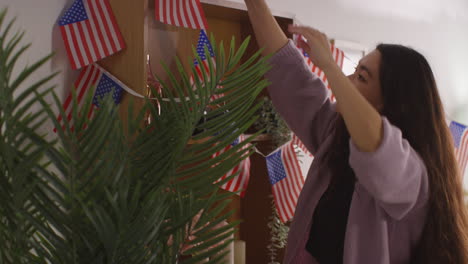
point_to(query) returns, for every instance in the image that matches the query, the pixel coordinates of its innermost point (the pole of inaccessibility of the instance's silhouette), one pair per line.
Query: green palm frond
(105, 193)
(20, 160)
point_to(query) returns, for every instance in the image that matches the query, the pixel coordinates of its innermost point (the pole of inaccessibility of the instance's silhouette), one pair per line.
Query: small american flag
(460, 139)
(181, 13)
(90, 32)
(241, 181)
(96, 80)
(286, 179)
(204, 42)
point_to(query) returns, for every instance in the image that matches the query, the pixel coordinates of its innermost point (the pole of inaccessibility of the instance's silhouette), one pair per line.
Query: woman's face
(366, 78)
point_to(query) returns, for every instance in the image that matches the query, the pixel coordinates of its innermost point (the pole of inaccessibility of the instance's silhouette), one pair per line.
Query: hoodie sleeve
(394, 174)
(300, 97)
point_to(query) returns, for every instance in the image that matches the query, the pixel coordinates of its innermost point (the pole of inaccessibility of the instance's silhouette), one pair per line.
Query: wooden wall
(129, 64)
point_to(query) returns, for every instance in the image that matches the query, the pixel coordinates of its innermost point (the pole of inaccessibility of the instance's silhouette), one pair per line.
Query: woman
(384, 187)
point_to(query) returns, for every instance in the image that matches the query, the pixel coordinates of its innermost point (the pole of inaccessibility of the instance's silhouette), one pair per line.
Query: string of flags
(90, 33)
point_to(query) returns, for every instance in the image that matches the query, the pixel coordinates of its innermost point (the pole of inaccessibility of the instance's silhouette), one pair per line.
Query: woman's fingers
(305, 31)
(303, 44)
(317, 45)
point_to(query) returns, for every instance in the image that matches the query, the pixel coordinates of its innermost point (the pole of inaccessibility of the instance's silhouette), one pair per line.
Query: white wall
(39, 19)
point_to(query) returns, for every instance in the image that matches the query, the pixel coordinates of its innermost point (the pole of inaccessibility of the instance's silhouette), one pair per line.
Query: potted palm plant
(101, 192)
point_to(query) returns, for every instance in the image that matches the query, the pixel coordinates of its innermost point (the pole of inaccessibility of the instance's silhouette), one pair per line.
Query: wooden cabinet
(144, 36)
(129, 65)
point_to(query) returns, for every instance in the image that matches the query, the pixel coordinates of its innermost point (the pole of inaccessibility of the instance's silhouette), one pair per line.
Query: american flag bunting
(181, 13)
(286, 179)
(90, 32)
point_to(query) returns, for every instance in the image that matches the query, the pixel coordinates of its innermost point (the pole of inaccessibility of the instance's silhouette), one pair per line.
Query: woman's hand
(317, 45)
(363, 121)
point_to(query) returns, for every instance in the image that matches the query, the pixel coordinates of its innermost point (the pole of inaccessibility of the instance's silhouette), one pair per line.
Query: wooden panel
(256, 210)
(165, 43)
(129, 64)
(224, 30)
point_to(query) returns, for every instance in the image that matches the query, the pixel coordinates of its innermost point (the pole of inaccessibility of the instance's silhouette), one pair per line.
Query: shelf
(259, 138)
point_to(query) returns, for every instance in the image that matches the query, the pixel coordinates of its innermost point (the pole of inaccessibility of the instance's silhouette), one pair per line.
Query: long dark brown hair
(412, 103)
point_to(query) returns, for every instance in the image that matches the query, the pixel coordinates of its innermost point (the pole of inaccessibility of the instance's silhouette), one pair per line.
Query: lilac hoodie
(390, 199)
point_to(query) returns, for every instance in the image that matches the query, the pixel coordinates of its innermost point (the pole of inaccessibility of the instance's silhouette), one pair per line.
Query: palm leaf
(113, 194)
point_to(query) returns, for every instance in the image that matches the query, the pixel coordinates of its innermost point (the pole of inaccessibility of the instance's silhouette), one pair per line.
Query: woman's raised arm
(269, 35)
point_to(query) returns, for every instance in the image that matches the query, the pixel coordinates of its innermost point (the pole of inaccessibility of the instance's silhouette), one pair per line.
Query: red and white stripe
(95, 38)
(89, 77)
(206, 66)
(286, 191)
(338, 55)
(200, 76)
(461, 152)
(296, 141)
(181, 13)
(241, 181)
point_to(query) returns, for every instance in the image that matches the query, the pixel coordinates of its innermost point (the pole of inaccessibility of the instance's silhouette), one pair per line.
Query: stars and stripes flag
(90, 32)
(286, 179)
(93, 79)
(204, 42)
(241, 181)
(460, 140)
(181, 13)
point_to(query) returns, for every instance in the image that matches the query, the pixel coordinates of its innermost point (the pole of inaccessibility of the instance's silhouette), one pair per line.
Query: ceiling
(418, 10)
